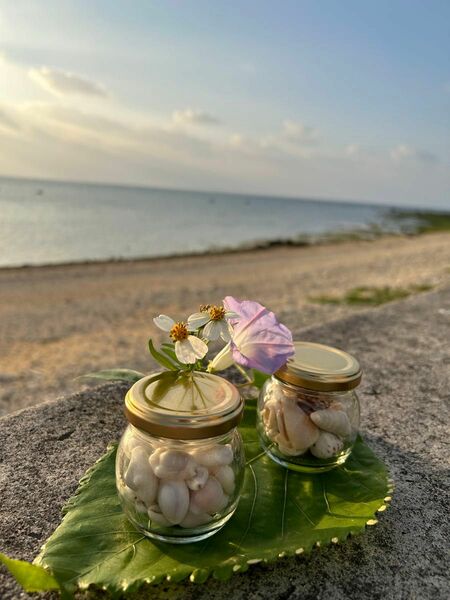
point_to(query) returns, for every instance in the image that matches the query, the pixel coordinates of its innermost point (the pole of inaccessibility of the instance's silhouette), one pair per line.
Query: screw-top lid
(321, 368)
(186, 406)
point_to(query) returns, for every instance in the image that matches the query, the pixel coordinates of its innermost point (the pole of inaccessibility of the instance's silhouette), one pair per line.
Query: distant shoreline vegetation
(399, 222)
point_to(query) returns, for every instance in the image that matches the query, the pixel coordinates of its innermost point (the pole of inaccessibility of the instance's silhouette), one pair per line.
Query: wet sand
(58, 322)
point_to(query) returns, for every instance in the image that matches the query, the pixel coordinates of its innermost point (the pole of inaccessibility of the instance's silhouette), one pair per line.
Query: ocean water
(52, 222)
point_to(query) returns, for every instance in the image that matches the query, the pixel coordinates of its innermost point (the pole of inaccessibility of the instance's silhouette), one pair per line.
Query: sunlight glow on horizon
(202, 105)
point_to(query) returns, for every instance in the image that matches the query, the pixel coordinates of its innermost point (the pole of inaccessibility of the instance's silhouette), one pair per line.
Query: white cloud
(189, 116)
(248, 67)
(63, 83)
(404, 152)
(7, 121)
(297, 132)
(353, 150)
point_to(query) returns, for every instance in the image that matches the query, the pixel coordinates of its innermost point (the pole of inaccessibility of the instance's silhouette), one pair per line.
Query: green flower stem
(243, 372)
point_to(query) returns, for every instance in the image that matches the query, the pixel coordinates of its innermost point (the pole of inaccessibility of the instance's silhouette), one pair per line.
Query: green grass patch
(371, 296)
(418, 221)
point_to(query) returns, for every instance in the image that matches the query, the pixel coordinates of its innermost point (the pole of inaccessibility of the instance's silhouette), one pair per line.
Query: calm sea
(49, 222)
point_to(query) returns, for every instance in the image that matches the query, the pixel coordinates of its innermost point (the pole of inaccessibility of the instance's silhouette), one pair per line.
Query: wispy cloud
(297, 132)
(189, 116)
(404, 152)
(353, 150)
(63, 83)
(7, 121)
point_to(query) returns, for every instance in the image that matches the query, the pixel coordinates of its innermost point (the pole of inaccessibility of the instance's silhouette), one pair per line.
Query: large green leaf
(32, 578)
(115, 375)
(280, 513)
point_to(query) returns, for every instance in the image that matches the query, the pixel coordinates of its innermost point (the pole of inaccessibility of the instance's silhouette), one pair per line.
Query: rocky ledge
(404, 351)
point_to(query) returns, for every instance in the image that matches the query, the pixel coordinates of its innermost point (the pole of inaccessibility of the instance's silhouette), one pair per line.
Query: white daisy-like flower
(214, 320)
(188, 348)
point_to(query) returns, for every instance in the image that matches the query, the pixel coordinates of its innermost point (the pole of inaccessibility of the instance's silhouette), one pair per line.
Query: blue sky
(347, 100)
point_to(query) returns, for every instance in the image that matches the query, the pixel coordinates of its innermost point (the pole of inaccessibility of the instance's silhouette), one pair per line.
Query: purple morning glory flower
(258, 340)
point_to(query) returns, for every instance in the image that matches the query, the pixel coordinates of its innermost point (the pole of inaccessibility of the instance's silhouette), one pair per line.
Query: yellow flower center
(216, 313)
(179, 332)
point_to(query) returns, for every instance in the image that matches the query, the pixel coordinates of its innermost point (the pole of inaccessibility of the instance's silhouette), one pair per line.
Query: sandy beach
(59, 322)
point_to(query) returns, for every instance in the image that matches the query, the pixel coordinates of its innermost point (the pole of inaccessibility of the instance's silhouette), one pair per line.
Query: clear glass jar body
(179, 491)
(307, 430)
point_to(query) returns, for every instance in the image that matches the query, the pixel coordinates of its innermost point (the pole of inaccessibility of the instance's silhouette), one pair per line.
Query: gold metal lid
(184, 406)
(321, 368)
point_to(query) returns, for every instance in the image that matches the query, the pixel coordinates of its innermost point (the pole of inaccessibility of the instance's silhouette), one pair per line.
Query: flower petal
(212, 330)
(190, 350)
(197, 320)
(221, 361)
(259, 341)
(232, 316)
(225, 331)
(164, 322)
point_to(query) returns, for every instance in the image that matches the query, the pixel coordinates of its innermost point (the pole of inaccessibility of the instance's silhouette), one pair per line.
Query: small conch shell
(172, 464)
(210, 499)
(155, 515)
(225, 476)
(198, 481)
(299, 430)
(333, 421)
(140, 477)
(327, 445)
(195, 520)
(173, 500)
(214, 456)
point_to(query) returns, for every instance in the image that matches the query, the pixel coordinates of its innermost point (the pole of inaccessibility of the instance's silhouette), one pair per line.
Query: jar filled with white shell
(180, 462)
(308, 411)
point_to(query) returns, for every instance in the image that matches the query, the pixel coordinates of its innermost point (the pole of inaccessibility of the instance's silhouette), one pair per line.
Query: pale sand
(59, 322)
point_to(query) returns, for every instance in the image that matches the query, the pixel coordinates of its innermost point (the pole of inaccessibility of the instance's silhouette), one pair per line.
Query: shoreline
(302, 241)
(58, 322)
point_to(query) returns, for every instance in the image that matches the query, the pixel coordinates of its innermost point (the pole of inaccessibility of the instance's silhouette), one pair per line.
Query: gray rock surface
(404, 350)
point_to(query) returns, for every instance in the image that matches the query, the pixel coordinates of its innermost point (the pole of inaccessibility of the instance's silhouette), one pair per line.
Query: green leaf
(115, 374)
(280, 513)
(160, 358)
(32, 578)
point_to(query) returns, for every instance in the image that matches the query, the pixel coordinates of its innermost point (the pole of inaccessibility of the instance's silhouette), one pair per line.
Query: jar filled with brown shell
(308, 411)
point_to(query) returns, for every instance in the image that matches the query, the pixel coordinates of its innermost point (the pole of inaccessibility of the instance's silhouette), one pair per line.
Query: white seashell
(128, 494)
(140, 507)
(214, 456)
(197, 482)
(279, 414)
(285, 448)
(148, 489)
(327, 445)
(225, 476)
(131, 497)
(192, 520)
(173, 500)
(210, 499)
(137, 468)
(140, 477)
(131, 442)
(333, 421)
(172, 464)
(300, 430)
(155, 514)
(270, 419)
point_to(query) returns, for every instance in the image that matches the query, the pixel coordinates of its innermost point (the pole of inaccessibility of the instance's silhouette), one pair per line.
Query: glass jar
(308, 411)
(180, 462)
